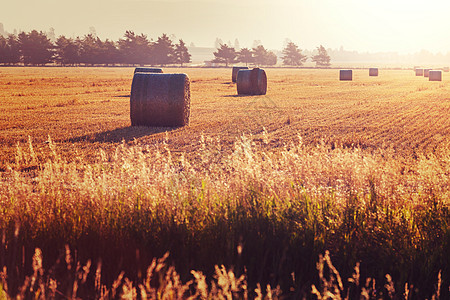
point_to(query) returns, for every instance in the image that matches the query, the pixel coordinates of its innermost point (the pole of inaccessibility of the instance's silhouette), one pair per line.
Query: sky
(360, 25)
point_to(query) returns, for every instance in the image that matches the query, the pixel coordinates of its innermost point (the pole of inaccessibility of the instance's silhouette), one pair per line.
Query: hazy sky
(363, 25)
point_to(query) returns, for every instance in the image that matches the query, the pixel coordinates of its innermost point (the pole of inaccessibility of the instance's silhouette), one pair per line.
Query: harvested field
(84, 109)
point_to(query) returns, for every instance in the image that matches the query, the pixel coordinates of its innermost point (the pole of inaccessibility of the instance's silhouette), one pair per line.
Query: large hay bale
(160, 100)
(435, 75)
(345, 75)
(419, 72)
(148, 70)
(373, 71)
(425, 72)
(235, 72)
(251, 82)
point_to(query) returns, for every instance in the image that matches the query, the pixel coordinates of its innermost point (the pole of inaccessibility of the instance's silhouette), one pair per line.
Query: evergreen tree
(182, 53)
(260, 55)
(292, 55)
(322, 59)
(35, 48)
(163, 51)
(245, 56)
(135, 49)
(13, 53)
(3, 49)
(271, 58)
(89, 49)
(67, 51)
(110, 53)
(225, 54)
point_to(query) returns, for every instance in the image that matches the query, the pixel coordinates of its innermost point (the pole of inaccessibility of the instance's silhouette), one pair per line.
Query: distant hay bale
(251, 82)
(425, 72)
(148, 70)
(373, 71)
(435, 75)
(345, 75)
(160, 100)
(446, 69)
(419, 72)
(235, 72)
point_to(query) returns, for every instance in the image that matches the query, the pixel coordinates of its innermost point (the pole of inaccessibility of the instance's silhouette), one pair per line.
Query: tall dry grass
(265, 213)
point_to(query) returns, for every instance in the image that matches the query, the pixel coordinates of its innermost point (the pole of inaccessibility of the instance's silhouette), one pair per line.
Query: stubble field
(260, 184)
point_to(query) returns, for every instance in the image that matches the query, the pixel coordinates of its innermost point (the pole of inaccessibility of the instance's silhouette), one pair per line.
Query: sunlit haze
(361, 25)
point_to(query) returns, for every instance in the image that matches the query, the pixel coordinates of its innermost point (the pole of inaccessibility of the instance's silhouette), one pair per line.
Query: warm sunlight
(400, 26)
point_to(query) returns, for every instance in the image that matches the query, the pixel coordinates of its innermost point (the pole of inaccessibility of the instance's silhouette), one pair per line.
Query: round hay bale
(251, 82)
(160, 100)
(148, 70)
(235, 72)
(373, 71)
(425, 72)
(435, 75)
(419, 72)
(345, 75)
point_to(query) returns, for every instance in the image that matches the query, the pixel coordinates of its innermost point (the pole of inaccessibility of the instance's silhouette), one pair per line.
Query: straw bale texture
(235, 72)
(345, 75)
(148, 70)
(251, 82)
(435, 75)
(160, 100)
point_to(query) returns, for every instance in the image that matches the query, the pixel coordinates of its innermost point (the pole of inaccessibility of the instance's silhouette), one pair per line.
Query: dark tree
(90, 49)
(260, 55)
(245, 56)
(4, 49)
(271, 59)
(163, 51)
(110, 53)
(135, 49)
(181, 53)
(292, 55)
(35, 48)
(67, 51)
(13, 56)
(225, 54)
(322, 59)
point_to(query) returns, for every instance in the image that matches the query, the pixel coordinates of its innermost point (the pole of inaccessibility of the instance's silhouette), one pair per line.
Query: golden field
(260, 184)
(83, 109)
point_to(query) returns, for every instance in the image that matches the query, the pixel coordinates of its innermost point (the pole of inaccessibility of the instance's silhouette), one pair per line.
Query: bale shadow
(235, 96)
(122, 96)
(118, 135)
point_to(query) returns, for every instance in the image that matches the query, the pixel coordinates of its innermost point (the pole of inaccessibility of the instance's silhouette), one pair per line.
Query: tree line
(36, 49)
(292, 56)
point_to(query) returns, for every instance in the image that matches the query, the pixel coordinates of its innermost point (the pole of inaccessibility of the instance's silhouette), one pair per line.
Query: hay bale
(160, 100)
(148, 70)
(435, 75)
(373, 71)
(345, 75)
(446, 69)
(419, 72)
(251, 82)
(235, 72)
(425, 72)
